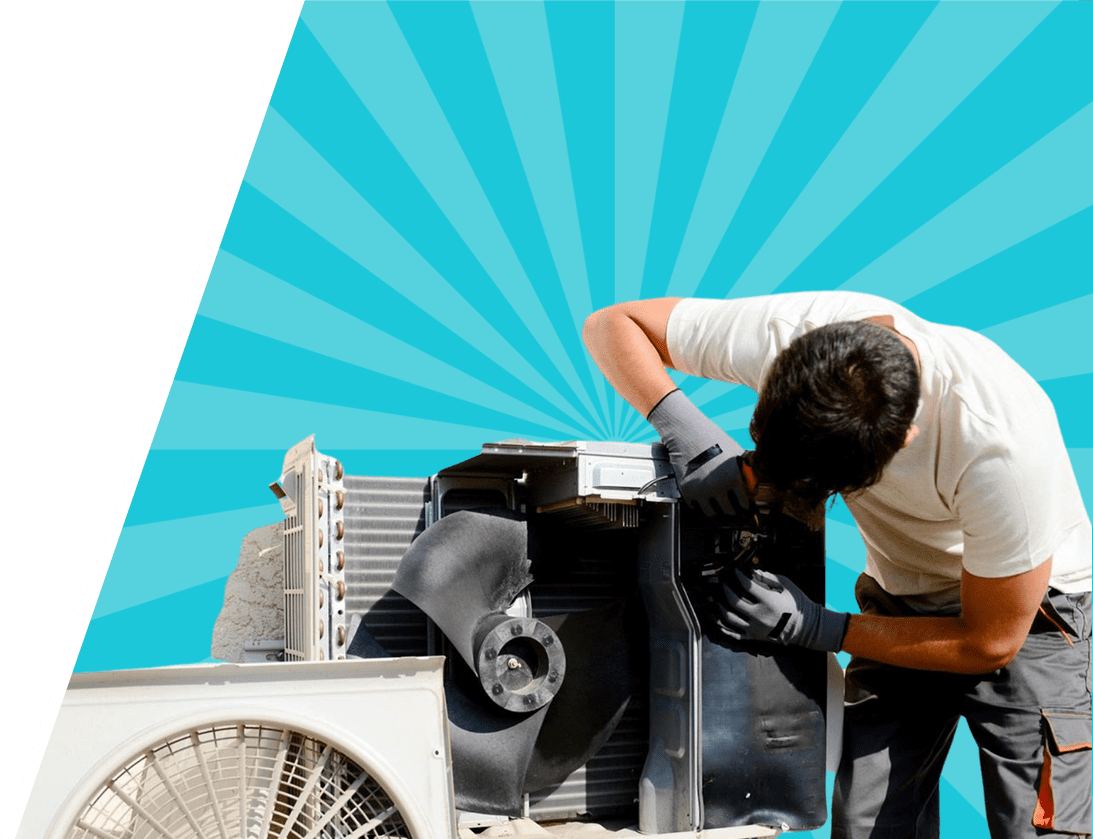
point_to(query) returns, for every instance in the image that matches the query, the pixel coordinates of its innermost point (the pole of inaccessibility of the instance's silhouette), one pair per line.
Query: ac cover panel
(292, 749)
(603, 526)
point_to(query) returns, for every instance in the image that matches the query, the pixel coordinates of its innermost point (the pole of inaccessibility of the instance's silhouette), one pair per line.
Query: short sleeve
(999, 528)
(1013, 510)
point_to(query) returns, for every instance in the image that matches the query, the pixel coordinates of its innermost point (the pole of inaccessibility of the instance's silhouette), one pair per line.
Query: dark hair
(833, 411)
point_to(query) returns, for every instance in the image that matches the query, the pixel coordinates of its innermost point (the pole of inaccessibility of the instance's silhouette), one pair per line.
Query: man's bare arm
(995, 619)
(628, 342)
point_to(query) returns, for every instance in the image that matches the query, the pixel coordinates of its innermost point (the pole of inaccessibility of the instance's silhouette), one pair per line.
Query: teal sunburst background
(441, 192)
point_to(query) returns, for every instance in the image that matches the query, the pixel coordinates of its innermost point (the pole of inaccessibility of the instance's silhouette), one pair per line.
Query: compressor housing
(659, 715)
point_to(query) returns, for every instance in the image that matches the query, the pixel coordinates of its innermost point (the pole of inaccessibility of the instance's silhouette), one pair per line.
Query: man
(975, 600)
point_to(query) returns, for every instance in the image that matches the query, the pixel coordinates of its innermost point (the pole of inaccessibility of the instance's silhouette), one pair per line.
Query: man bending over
(975, 600)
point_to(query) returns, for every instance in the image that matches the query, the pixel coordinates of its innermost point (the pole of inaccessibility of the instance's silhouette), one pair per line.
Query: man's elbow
(986, 654)
(593, 327)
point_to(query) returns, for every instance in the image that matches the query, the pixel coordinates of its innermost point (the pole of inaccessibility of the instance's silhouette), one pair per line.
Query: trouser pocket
(1064, 800)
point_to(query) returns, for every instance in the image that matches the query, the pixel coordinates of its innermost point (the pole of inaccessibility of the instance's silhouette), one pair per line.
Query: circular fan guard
(240, 781)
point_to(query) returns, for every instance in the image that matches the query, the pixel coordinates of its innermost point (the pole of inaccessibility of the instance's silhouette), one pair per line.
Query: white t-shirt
(987, 484)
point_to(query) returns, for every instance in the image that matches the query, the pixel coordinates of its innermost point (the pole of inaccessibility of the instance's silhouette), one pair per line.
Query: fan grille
(240, 781)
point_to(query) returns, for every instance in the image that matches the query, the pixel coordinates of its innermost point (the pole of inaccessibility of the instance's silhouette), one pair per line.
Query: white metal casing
(386, 715)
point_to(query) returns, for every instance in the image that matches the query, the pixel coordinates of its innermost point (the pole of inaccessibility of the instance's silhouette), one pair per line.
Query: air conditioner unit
(349, 749)
(713, 736)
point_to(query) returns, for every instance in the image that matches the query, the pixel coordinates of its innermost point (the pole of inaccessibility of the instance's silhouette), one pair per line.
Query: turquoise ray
(735, 422)
(646, 41)
(1055, 261)
(780, 48)
(737, 396)
(844, 545)
(176, 629)
(1072, 397)
(155, 560)
(204, 417)
(243, 296)
(314, 97)
(862, 44)
(1038, 86)
(711, 389)
(164, 491)
(289, 172)
(839, 583)
(517, 44)
(711, 44)
(445, 41)
(582, 41)
(962, 770)
(1052, 342)
(264, 235)
(956, 48)
(582, 37)
(228, 357)
(1045, 184)
(408, 112)
(1082, 461)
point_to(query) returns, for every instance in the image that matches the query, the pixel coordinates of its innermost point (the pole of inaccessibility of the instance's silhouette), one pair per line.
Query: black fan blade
(597, 689)
(463, 572)
(490, 747)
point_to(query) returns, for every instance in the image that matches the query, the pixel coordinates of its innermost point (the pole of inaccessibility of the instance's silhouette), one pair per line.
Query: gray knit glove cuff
(706, 460)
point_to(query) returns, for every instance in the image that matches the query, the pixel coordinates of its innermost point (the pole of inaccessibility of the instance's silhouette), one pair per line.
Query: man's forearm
(927, 643)
(995, 619)
(626, 342)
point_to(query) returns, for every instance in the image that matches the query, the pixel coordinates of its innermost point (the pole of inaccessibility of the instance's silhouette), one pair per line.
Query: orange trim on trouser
(1044, 816)
(1057, 625)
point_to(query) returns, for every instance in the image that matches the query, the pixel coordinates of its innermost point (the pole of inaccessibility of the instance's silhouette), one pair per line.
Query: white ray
(782, 43)
(289, 172)
(517, 45)
(207, 417)
(954, 51)
(366, 44)
(1048, 182)
(241, 295)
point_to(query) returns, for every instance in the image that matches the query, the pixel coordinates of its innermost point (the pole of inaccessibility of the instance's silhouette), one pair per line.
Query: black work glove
(706, 460)
(768, 607)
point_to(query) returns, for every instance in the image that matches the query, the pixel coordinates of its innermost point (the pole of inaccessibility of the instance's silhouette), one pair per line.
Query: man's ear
(912, 433)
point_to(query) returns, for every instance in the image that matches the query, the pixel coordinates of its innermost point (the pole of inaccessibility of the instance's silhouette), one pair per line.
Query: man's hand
(706, 460)
(768, 607)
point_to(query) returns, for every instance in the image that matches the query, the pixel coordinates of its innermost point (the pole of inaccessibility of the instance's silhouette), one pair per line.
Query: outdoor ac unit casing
(387, 716)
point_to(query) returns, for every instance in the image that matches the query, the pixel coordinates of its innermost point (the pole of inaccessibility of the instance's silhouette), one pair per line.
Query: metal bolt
(497, 689)
(514, 664)
(517, 629)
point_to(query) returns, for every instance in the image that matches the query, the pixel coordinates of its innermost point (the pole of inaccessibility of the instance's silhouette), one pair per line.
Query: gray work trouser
(1030, 719)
